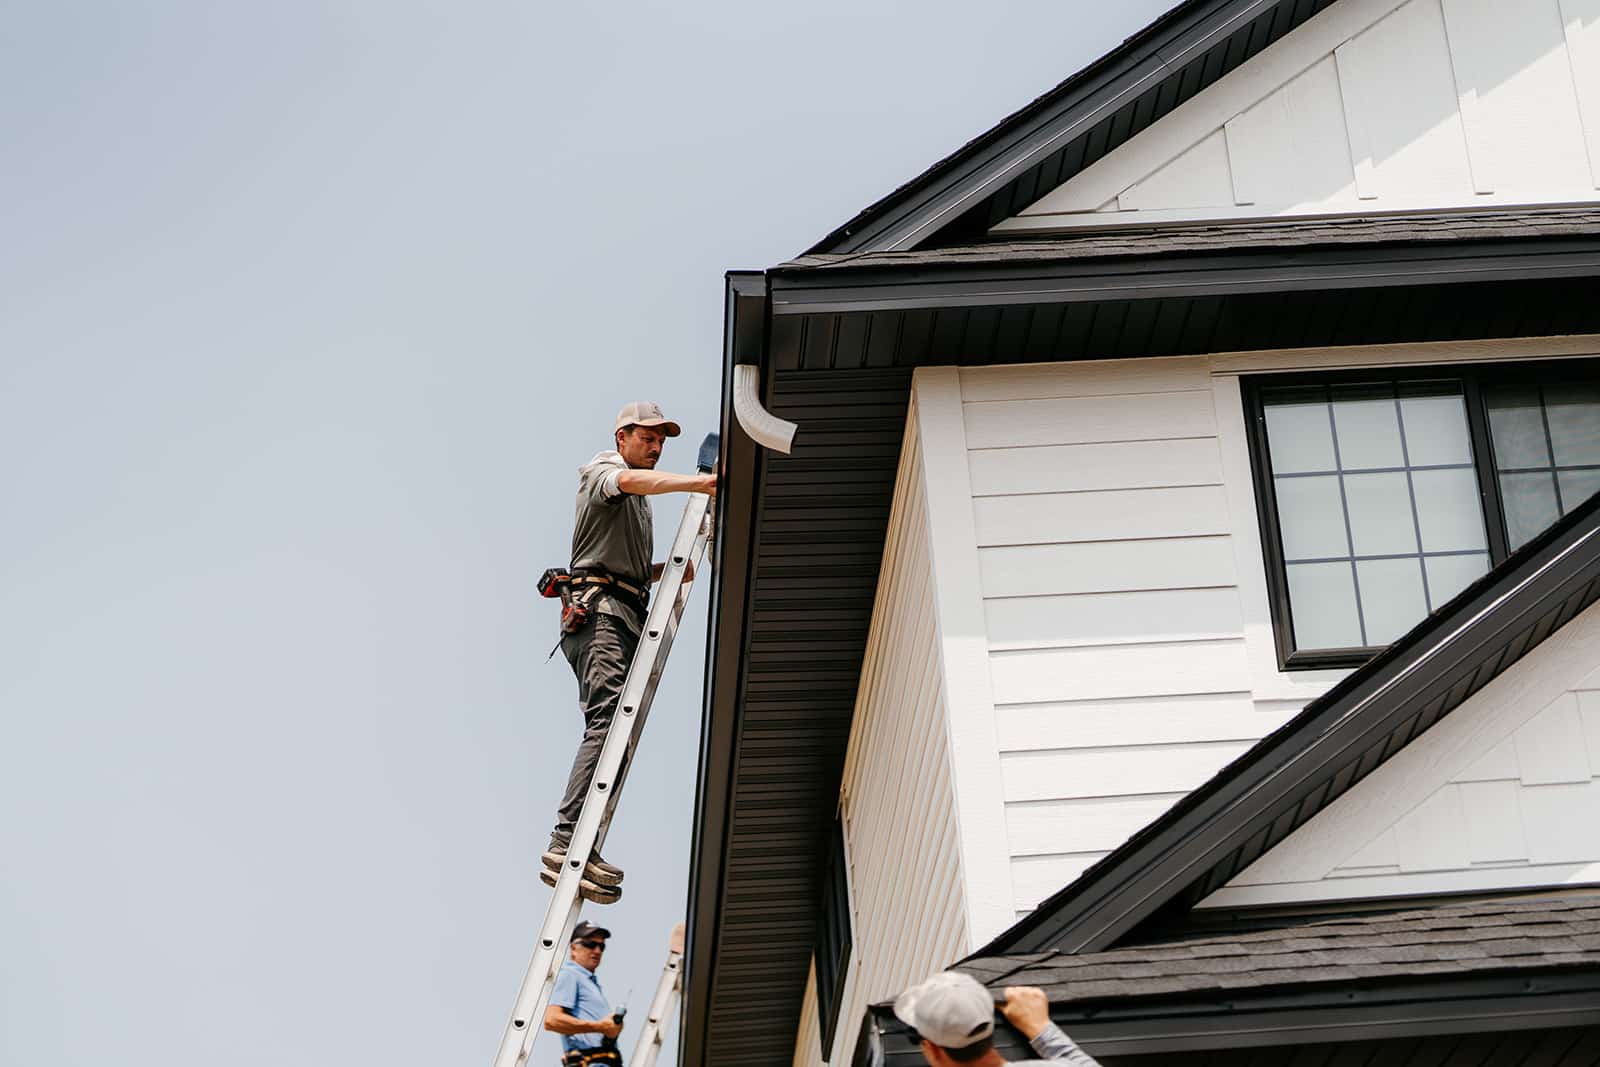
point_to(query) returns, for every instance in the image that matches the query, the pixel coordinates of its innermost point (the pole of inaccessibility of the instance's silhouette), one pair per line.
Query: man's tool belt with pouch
(592, 1057)
(577, 588)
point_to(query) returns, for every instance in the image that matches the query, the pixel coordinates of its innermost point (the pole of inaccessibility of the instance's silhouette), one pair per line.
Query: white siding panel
(1099, 672)
(1109, 515)
(1197, 178)
(1039, 381)
(1075, 468)
(1550, 748)
(1146, 720)
(1097, 823)
(1582, 26)
(1086, 420)
(1563, 822)
(908, 907)
(1493, 813)
(1103, 618)
(1433, 837)
(1292, 147)
(1038, 877)
(1114, 772)
(1106, 566)
(1512, 60)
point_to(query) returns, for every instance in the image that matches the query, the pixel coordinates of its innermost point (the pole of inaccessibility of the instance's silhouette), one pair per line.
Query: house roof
(1414, 228)
(1485, 935)
(1460, 967)
(1071, 126)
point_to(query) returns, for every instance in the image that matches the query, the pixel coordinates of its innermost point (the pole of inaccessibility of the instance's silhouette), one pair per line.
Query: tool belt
(577, 588)
(592, 1057)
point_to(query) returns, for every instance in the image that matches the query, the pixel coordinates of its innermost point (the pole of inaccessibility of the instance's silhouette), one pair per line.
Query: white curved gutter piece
(764, 428)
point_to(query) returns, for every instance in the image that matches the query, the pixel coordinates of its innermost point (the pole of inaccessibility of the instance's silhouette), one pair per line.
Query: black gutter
(744, 341)
(1344, 1011)
(810, 291)
(1090, 113)
(1338, 739)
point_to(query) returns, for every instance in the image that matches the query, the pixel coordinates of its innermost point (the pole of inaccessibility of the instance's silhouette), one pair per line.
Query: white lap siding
(1110, 599)
(907, 903)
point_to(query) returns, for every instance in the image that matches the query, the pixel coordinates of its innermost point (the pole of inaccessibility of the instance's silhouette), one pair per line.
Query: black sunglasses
(593, 944)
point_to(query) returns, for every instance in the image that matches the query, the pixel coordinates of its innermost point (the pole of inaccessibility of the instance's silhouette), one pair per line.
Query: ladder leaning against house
(644, 674)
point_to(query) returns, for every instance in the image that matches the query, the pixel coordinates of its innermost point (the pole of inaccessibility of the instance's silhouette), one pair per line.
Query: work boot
(597, 870)
(587, 889)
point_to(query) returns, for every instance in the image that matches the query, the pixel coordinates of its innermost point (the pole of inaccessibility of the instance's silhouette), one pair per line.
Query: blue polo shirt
(578, 990)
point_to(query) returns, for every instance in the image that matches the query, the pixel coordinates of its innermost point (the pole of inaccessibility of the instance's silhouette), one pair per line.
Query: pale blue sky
(309, 311)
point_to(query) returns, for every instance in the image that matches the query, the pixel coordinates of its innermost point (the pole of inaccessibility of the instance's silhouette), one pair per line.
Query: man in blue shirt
(579, 1010)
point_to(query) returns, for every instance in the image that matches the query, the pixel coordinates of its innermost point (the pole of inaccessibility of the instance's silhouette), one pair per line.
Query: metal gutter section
(1338, 739)
(744, 329)
(813, 292)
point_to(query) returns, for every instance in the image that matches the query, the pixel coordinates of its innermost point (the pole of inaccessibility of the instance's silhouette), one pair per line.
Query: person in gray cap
(579, 1010)
(952, 1015)
(611, 572)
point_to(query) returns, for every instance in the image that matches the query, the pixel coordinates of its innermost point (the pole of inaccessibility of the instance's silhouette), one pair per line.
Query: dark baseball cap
(588, 929)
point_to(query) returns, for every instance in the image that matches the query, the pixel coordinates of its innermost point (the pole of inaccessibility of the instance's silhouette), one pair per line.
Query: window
(1384, 494)
(833, 943)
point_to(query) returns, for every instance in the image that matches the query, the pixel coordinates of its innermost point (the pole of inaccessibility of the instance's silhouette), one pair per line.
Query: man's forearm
(654, 483)
(561, 1021)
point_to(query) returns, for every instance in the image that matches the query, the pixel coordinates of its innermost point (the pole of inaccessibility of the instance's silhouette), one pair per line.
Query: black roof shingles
(1408, 228)
(1496, 935)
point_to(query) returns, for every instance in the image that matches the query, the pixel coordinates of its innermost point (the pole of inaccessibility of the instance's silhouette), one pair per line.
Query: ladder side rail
(662, 1005)
(660, 627)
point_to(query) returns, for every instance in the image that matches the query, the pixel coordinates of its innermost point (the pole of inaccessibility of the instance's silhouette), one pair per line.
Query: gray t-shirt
(612, 532)
(1055, 1047)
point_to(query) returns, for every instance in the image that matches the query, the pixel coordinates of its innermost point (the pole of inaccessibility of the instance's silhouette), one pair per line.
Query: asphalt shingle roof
(1411, 228)
(1501, 935)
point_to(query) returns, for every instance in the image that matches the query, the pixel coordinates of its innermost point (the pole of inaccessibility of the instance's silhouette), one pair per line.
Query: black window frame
(834, 937)
(1474, 379)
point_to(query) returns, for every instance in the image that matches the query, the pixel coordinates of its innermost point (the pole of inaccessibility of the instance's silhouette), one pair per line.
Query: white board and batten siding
(1504, 793)
(1370, 106)
(908, 893)
(1130, 643)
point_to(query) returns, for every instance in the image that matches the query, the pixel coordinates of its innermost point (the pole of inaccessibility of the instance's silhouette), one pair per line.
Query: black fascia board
(744, 341)
(1342, 1011)
(806, 291)
(1157, 54)
(1468, 637)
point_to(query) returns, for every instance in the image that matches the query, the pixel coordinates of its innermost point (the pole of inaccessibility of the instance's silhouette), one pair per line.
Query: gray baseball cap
(951, 1009)
(647, 413)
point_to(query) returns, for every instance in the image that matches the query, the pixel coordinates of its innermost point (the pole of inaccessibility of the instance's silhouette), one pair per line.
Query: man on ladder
(578, 1009)
(604, 595)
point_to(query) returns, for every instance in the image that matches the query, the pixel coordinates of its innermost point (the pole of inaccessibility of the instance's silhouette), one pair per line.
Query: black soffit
(1282, 782)
(1072, 126)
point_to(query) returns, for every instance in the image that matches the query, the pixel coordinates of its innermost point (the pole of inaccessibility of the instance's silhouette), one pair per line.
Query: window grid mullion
(1411, 491)
(1344, 505)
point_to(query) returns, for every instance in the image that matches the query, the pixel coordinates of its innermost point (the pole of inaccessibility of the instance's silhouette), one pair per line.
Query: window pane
(1448, 510)
(1435, 419)
(1380, 513)
(1576, 487)
(1299, 436)
(1391, 597)
(1574, 415)
(1517, 427)
(1369, 427)
(1322, 600)
(1448, 575)
(1530, 503)
(1311, 517)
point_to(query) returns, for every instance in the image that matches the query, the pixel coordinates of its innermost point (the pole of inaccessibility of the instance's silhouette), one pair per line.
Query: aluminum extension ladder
(660, 627)
(662, 1005)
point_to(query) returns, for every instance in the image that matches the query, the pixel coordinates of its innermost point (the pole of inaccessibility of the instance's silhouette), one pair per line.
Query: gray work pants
(600, 655)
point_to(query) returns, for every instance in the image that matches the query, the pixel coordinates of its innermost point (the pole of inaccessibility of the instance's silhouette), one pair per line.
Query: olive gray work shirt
(612, 531)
